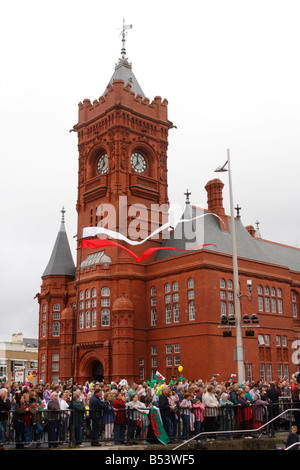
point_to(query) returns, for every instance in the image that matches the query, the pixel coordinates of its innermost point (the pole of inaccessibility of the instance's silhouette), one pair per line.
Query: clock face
(102, 164)
(138, 162)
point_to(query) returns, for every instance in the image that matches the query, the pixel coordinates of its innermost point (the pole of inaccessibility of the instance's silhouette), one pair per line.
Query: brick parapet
(122, 96)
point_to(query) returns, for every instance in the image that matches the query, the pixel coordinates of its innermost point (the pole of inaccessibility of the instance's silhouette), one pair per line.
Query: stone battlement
(120, 95)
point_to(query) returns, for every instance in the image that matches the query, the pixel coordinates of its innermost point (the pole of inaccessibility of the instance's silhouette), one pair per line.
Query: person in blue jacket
(96, 414)
(108, 417)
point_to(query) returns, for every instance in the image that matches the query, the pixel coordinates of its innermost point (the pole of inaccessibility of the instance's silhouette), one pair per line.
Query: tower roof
(123, 69)
(61, 261)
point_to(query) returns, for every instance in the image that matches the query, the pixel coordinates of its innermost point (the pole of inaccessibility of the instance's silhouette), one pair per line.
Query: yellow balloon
(180, 368)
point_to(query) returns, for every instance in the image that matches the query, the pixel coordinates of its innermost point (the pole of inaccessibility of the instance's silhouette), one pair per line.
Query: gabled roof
(30, 342)
(61, 261)
(206, 229)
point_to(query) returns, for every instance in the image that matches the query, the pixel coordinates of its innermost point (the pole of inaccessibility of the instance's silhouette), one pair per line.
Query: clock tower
(122, 143)
(122, 186)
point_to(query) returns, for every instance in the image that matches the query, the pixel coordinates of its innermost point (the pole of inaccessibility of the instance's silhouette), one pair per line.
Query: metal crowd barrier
(272, 420)
(130, 427)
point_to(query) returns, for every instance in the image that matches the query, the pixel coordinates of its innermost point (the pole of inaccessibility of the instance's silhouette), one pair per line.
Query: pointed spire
(123, 69)
(61, 261)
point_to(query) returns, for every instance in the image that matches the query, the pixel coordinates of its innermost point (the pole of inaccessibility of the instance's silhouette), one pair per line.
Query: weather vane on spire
(123, 33)
(63, 211)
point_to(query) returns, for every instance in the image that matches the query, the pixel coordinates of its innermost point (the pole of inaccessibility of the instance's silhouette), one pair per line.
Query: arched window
(176, 313)
(87, 319)
(105, 292)
(94, 318)
(191, 310)
(105, 317)
(273, 291)
(279, 293)
(191, 283)
(153, 317)
(168, 314)
(153, 297)
(55, 329)
(167, 288)
(294, 304)
(222, 284)
(94, 292)
(56, 307)
(87, 294)
(267, 291)
(175, 286)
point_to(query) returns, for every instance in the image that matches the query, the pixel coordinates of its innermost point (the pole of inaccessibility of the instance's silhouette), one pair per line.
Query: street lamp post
(237, 304)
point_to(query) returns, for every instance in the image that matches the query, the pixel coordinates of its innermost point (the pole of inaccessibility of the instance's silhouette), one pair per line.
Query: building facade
(109, 316)
(18, 359)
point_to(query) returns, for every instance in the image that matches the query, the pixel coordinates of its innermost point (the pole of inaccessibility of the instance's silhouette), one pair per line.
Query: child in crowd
(292, 438)
(198, 409)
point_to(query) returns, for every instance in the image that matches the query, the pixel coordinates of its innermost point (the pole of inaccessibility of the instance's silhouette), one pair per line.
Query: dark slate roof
(61, 261)
(207, 230)
(123, 71)
(30, 342)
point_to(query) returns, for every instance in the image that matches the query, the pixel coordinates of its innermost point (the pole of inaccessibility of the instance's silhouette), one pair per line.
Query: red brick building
(129, 319)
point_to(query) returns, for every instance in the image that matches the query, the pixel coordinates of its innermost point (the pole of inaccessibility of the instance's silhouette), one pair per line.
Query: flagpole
(75, 340)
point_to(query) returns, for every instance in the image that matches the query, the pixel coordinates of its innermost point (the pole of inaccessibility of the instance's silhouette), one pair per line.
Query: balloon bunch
(181, 378)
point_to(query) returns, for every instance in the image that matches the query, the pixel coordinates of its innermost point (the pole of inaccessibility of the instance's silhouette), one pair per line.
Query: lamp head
(220, 169)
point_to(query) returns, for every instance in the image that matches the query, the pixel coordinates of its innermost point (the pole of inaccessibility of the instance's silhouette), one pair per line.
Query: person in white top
(212, 405)
(64, 417)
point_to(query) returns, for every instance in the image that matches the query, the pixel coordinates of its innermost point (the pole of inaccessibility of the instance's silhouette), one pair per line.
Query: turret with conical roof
(61, 261)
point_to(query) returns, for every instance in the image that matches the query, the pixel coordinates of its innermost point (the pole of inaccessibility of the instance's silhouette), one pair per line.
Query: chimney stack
(214, 190)
(251, 230)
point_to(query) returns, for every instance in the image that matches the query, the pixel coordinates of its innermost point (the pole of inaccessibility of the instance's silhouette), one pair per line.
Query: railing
(269, 426)
(292, 446)
(127, 426)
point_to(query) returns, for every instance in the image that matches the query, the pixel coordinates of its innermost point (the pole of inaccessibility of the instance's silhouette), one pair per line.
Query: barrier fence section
(130, 426)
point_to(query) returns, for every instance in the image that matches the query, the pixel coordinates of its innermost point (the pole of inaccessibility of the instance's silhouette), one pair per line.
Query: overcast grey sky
(230, 72)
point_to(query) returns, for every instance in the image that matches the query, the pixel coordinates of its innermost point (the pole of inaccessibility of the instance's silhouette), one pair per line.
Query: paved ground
(265, 442)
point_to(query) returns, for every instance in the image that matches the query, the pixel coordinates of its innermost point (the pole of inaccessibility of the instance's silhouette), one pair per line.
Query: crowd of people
(97, 413)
